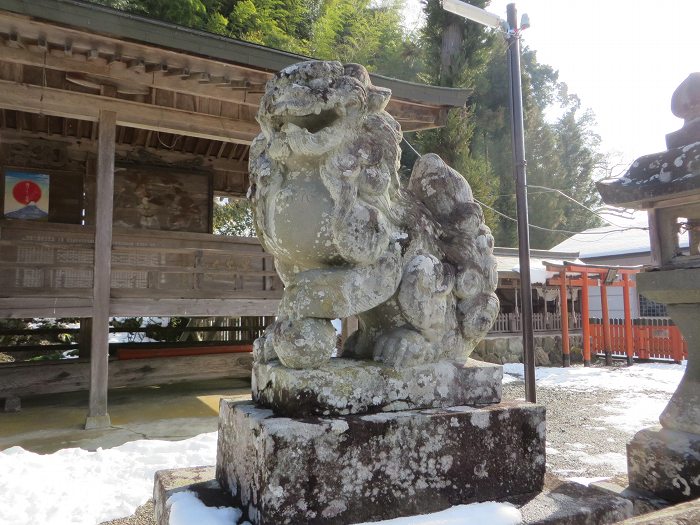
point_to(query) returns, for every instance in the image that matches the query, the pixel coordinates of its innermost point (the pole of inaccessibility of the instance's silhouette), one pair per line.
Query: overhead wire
(554, 230)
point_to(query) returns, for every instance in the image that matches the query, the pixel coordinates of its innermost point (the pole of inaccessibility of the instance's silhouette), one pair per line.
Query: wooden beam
(130, 48)
(49, 377)
(193, 307)
(27, 307)
(99, 341)
(412, 116)
(60, 103)
(125, 152)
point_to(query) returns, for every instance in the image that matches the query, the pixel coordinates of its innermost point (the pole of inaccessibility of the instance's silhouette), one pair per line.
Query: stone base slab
(372, 467)
(682, 514)
(643, 502)
(570, 503)
(199, 480)
(665, 463)
(349, 386)
(559, 503)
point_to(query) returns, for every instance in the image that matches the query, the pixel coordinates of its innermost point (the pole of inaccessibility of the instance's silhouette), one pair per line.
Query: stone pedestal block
(665, 463)
(370, 467)
(349, 386)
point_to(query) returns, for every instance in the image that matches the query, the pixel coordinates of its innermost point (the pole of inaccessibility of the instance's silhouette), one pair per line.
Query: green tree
(456, 54)
(562, 153)
(233, 217)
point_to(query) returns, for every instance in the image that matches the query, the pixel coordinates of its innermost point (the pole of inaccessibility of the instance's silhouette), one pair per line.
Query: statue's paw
(402, 348)
(303, 343)
(263, 351)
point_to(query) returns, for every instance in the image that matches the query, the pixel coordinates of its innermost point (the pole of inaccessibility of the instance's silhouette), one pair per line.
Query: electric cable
(542, 228)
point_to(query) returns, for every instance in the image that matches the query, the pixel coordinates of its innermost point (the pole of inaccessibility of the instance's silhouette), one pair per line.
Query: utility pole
(520, 173)
(512, 31)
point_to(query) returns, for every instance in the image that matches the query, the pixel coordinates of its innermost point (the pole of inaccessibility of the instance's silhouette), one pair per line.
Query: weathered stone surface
(200, 480)
(349, 386)
(653, 177)
(498, 349)
(415, 263)
(559, 503)
(569, 503)
(665, 463)
(683, 514)
(680, 289)
(356, 468)
(685, 103)
(541, 357)
(643, 502)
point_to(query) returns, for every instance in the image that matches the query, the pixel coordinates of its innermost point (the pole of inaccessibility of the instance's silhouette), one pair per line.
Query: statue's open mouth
(312, 122)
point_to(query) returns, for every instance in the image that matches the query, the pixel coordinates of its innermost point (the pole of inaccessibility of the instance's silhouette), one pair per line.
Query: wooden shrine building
(116, 134)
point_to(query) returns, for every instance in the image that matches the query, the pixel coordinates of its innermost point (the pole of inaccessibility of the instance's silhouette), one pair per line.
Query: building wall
(616, 305)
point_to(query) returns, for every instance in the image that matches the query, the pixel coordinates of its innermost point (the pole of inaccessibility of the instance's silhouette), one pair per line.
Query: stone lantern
(666, 460)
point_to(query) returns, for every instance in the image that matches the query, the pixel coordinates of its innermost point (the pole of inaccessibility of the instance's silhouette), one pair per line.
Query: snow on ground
(191, 510)
(187, 509)
(652, 382)
(660, 377)
(74, 486)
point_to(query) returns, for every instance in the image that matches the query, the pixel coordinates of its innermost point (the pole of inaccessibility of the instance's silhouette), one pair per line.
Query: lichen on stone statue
(415, 264)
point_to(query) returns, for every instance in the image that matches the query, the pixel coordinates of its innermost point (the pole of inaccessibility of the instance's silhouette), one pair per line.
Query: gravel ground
(579, 445)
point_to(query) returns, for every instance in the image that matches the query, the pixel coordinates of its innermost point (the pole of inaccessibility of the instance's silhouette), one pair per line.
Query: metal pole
(518, 137)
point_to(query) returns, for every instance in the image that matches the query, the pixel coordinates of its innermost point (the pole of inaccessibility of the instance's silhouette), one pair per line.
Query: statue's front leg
(303, 336)
(339, 292)
(298, 343)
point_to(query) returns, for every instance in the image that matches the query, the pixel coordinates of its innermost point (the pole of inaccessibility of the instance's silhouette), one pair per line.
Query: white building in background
(616, 246)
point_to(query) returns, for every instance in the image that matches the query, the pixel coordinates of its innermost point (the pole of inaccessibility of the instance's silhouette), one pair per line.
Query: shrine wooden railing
(653, 338)
(46, 265)
(512, 322)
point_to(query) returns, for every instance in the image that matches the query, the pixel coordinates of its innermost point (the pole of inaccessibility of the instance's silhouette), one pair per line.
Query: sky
(623, 58)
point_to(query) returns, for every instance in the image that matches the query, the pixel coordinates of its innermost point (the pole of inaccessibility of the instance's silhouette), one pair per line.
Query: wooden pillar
(629, 338)
(84, 337)
(585, 325)
(348, 326)
(564, 314)
(99, 347)
(607, 347)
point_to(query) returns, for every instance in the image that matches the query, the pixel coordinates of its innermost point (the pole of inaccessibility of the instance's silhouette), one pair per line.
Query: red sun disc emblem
(26, 191)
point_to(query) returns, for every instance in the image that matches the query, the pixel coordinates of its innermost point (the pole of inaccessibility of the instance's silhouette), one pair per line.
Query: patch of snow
(80, 487)
(538, 273)
(610, 240)
(187, 509)
(585, 481)
(613, 459)
(628, 414)
(636, 379)
(507, 378)
(489, 512)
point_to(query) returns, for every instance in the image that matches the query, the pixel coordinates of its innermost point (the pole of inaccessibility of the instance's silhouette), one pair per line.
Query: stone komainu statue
(415, 264)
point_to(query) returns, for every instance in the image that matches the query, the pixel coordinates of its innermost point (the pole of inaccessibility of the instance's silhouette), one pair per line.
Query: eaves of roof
(99, 19)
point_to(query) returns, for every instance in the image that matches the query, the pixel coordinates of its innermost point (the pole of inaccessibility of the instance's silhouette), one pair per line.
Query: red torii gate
(584, 276)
